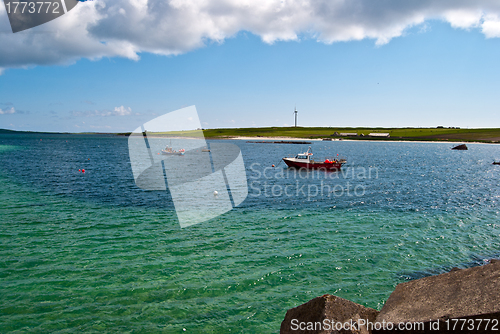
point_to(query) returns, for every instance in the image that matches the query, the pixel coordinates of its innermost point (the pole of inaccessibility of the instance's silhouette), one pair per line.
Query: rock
(461, 147)
(320, 316)
(463, 294)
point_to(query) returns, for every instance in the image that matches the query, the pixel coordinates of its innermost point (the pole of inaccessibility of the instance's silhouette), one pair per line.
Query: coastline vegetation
(409, 134)
(452, 134)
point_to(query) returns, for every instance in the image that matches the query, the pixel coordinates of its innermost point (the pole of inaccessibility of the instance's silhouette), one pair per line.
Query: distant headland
(386, 134)
(439, 134)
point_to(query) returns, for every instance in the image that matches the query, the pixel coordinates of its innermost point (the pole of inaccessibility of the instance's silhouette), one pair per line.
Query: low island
(440, 133)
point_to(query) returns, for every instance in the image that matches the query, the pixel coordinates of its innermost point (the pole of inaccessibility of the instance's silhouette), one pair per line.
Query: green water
(73, 264)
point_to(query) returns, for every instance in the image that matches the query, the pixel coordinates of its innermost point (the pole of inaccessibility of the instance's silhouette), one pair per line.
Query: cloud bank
(118, 111)
(125, 28)
(7, 111)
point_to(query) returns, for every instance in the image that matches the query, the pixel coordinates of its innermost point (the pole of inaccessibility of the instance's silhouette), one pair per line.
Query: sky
(110, 66)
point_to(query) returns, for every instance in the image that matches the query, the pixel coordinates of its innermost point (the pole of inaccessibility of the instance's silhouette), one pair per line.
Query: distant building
(379, 134)
(348, 134)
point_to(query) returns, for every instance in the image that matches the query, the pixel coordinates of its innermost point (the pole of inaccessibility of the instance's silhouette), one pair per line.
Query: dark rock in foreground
(320, 316)
(460, 301)
(469, 294)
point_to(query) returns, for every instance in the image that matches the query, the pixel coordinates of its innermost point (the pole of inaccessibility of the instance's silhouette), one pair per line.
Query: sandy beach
(256, 139)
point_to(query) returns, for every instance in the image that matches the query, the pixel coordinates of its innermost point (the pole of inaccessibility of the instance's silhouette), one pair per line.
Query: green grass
(431, 134)
(410, 134)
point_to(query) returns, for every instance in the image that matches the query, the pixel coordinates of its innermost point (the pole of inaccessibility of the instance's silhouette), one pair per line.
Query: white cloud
(100, 126)
(7, 111)
(463, 18)
(125, 28)
(118, 111)
(122, 111)
(491, 26)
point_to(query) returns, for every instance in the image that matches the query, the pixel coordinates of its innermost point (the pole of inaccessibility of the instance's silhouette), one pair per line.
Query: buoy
(83, 170)
(272, 165)
(79, 170)
(216, 193)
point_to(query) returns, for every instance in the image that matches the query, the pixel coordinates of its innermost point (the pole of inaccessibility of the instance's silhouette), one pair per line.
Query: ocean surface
(91, 252)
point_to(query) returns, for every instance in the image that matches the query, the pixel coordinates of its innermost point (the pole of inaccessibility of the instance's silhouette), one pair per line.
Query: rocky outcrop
(459, 294)
(461, 147)
(328, 314)
(460, 301)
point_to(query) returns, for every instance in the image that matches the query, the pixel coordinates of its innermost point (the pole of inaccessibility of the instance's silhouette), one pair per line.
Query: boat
(461, 147)
(170, 151)
(304, 160)
(496, 162)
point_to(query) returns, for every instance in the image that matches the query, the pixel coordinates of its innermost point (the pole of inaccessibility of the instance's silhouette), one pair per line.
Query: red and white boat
(304, 160)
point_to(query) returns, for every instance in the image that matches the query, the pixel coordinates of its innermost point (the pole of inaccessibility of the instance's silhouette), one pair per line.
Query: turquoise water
(92, 252)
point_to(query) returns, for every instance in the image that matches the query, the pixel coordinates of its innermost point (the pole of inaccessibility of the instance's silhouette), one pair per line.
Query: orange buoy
(273, 166)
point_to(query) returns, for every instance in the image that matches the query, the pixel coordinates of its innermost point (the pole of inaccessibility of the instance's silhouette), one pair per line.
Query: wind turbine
(295, 112)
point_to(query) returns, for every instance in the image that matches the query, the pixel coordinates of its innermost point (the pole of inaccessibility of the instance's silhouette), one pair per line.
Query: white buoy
(216, 193)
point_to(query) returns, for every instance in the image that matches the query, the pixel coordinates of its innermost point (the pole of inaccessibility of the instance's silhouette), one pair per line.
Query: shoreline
(349, 140)
(210, 135)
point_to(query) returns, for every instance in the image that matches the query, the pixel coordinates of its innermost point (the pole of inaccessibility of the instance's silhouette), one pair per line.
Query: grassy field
(409, 134)
(430, 134)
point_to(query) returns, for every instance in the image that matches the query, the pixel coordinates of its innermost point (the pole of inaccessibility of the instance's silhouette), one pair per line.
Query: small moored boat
(304, 160)
(170, 151)
(496, 162)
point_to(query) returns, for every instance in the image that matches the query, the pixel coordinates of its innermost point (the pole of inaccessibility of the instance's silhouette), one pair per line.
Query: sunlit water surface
(93, 252)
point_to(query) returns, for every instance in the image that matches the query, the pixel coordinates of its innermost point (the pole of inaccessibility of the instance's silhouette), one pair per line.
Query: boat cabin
(303, 156)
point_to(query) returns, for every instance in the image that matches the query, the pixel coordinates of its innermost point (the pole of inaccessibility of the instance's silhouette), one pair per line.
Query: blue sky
(432, 74)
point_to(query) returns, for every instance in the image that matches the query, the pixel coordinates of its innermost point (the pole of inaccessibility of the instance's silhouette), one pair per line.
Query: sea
(93, 252)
